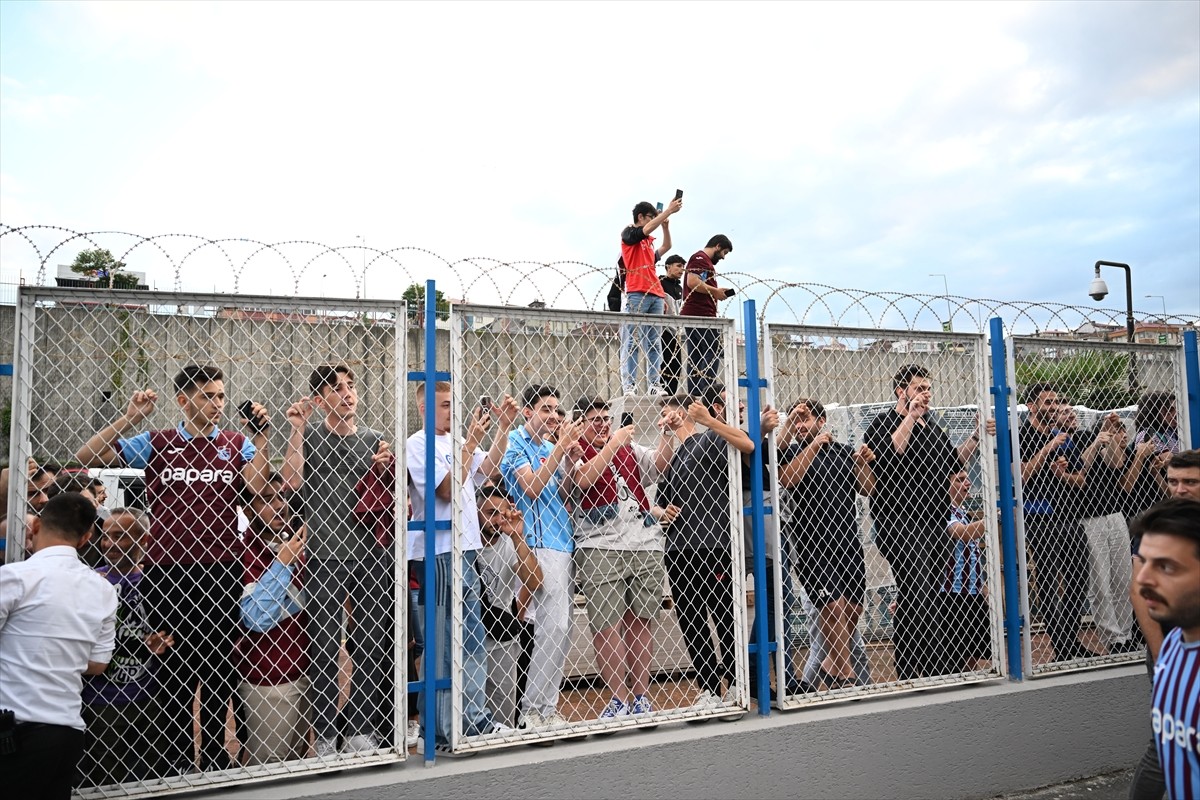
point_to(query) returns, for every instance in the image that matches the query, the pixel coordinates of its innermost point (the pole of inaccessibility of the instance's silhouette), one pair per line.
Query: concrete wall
(965, 743)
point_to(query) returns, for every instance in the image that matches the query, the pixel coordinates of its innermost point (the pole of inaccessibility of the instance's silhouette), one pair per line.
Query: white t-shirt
(415, 458)
(56, 615)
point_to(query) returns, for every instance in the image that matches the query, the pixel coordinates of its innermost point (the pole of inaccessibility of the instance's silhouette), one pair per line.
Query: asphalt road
(1110, 786)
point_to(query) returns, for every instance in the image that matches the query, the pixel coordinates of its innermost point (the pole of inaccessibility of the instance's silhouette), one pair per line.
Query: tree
(1096, 379)
(414, 295)
(99, 265)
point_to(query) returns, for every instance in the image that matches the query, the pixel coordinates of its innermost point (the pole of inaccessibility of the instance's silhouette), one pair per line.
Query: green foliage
(414, 296)
(99, 264)
(1094, 379)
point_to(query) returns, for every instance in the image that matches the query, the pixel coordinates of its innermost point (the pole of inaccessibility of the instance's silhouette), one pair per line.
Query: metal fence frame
(33, 300)
(1180, 380)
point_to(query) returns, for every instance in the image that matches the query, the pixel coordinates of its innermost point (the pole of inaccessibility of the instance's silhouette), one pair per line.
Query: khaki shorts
(616, 581)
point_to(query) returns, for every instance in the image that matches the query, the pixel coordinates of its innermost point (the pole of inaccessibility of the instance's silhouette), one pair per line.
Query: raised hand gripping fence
(1094, 425)
(256, 559)
(887, 522)
(596, 532)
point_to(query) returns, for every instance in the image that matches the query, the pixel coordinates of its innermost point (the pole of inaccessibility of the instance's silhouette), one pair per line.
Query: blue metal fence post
(754, 384)
(431, 681)
(1010, 567)
(1191, 366)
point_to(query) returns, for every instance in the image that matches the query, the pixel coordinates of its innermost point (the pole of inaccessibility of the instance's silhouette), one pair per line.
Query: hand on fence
(1059, 466)
(299, 412)
(507, 412)
(293, 548)
(863, 455)
(383, 457)
(990, 426)
(917, 407)
(141, 405)
(158, 643)
(769, 420)
(670, 421)
(623, 436)
(821, 439)
(699, 413)
(665, 516)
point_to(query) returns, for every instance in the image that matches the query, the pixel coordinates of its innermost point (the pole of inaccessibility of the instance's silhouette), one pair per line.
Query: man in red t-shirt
(700, 296)
(643, 293)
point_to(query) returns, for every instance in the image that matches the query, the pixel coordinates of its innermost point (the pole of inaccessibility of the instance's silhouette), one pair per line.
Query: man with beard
(700, 296)
(822, 477)
(1168, 579)
(1052, 475)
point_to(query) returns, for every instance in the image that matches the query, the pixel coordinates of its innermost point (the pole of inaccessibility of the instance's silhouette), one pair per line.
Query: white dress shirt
(56, 615)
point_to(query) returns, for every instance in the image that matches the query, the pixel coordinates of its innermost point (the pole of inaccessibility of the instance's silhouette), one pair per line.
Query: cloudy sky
(1006, 145)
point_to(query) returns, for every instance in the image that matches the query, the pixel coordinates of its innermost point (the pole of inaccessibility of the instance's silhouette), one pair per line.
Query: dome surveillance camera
(1098, 289)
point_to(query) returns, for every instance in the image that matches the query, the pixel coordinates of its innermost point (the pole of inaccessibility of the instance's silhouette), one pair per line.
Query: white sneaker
(360, 743)
(657, 391)
(556, 720)
(629, 391)
(706, 700)
(326, 747)
(413, 734)
(733, 695)
(501, 730)
(532, 720)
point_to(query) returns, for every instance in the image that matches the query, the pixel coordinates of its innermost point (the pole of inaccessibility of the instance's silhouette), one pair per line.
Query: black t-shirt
(1102, 493)
(822, 505)
(697, 481)
(1048, 497)
(912, 489)
(672, 286)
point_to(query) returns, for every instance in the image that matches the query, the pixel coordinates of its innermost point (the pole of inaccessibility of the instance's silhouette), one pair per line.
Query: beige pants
(277, 721)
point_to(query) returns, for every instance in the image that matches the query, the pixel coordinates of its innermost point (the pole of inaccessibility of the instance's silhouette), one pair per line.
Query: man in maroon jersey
(193, 577)
(700, 296)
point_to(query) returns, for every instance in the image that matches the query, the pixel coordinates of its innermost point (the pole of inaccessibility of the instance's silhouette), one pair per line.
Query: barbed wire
(568, 284)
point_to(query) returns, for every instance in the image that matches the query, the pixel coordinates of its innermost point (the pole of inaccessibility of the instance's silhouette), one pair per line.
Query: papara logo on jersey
(193, 475)
(1167, 729)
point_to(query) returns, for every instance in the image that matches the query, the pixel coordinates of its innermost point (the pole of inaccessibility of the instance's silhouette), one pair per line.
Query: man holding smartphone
(643, 292)
(700, 296)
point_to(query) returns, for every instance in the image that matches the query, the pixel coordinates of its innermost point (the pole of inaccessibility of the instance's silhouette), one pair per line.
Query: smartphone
(659, 207)
(485, 402)
(626, 419)
(246, 409)
(679, 194)
(730, 292)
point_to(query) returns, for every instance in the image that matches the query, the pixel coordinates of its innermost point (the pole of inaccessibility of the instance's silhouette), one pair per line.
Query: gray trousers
(370, 586)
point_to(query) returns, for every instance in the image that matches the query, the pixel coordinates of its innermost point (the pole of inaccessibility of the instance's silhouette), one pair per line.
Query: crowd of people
(262, 591)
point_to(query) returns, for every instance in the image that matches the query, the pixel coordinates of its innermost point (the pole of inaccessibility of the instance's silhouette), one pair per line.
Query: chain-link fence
(593, 586)
(883, 551)
(238, 453)
(1095, 425)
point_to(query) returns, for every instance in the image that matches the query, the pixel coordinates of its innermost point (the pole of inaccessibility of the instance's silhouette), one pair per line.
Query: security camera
(1098, 289)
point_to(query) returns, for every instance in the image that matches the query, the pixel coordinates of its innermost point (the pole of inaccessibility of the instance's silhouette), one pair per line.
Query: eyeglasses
(600, 420)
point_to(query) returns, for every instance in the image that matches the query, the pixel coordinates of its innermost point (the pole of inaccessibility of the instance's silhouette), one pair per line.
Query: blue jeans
(641, 338)
(477, 718)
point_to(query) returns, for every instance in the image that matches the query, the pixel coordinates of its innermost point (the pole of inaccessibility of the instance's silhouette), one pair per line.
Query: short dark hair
(70, 515)
(1035, 390)
(591, 403)
(536, 392)
(1151, 407)
(713, 395)
(644, 208)
(327, 375)
(678, 401)
(492, 493)
(193, 375)
(1177, 516)
(720, 241)
(675, 259)
(907, 373)
(72, 482)
(1185, 459)
(272, 478)
(814, 407)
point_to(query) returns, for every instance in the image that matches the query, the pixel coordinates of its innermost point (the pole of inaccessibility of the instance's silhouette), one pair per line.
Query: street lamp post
(949, 314)
(1099, 290)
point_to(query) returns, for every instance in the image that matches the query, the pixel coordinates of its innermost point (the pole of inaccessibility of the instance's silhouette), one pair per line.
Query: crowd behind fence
(573, 523)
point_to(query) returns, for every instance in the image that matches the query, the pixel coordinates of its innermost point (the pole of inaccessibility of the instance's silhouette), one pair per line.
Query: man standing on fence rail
(193, 578)
(1052, 476)
(538, 475)
(700, 296)
(346, 562)
(643, 292)
(1168, 579)
(914, 460)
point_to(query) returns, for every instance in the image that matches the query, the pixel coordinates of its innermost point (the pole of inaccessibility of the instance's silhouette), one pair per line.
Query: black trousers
(1059, 549)
(672, 361)
(198, 605)
(702, 586)
(45, 766)
(921, 639)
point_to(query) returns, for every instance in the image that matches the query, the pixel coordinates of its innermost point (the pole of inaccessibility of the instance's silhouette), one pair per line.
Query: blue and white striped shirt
(1175, 715)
